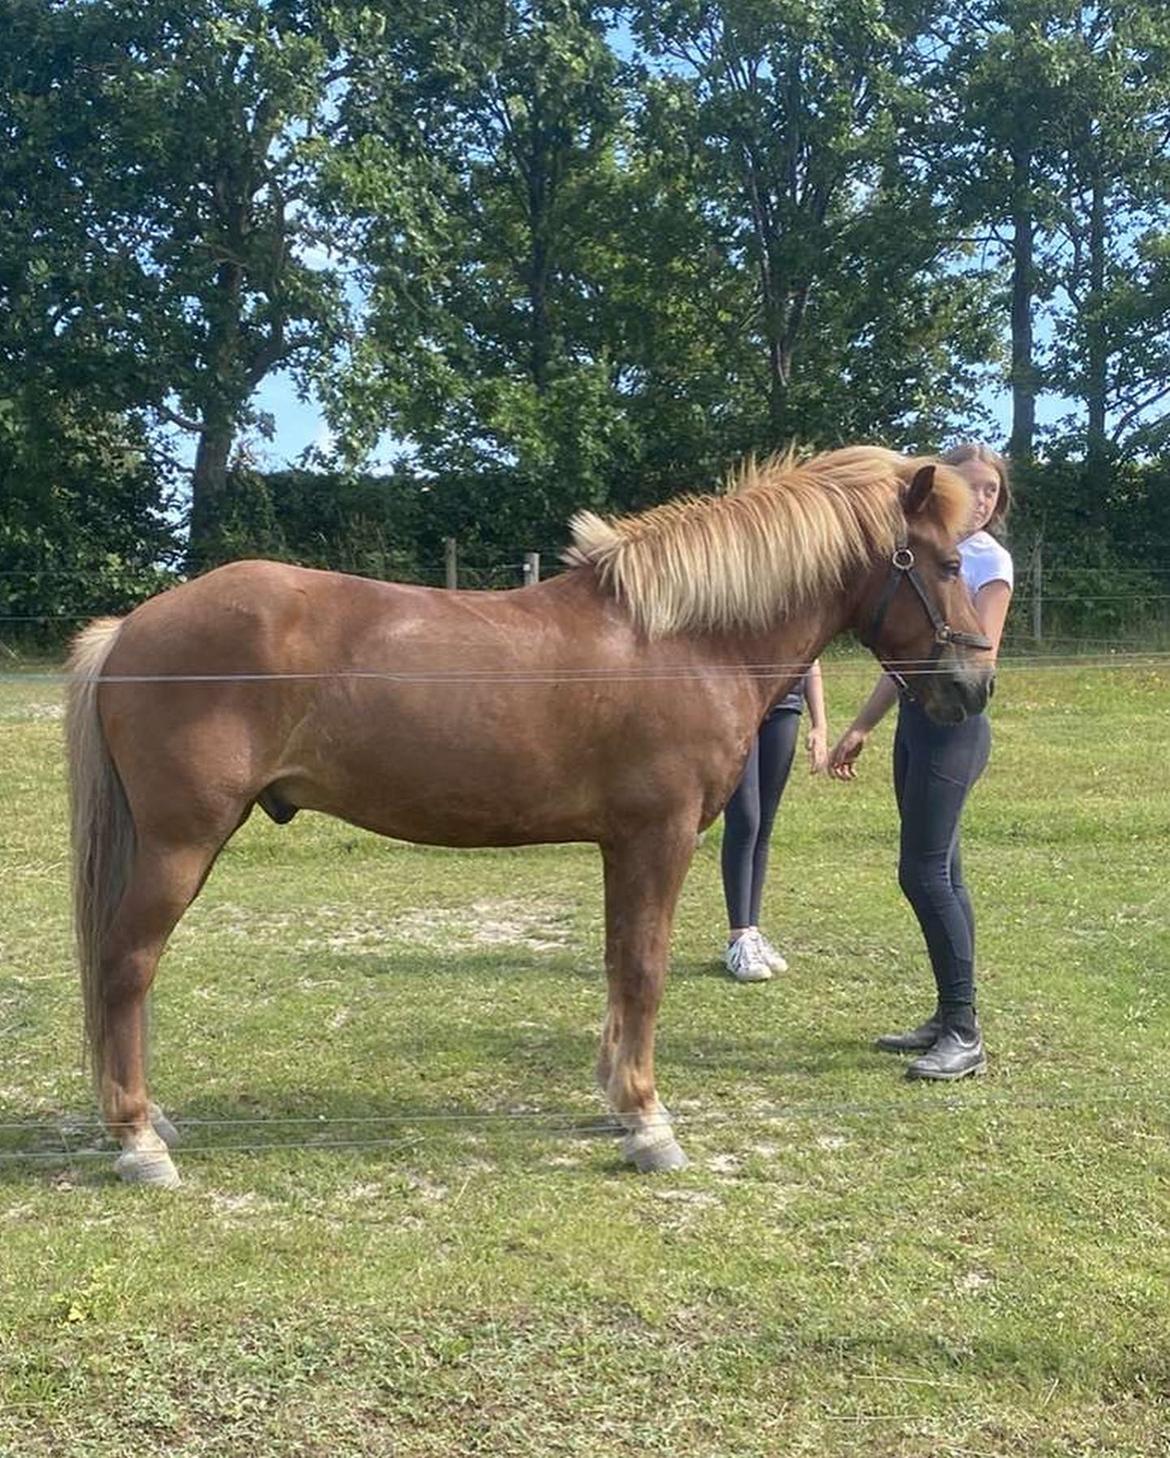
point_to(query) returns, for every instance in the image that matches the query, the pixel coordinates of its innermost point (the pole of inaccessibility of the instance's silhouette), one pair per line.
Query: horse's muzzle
(958, 691)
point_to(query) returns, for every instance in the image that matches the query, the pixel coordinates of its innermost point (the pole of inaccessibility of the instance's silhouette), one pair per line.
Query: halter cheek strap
(902, 569)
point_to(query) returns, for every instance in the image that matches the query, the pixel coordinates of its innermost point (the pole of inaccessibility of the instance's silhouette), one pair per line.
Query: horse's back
(250, 611)
(261, 612)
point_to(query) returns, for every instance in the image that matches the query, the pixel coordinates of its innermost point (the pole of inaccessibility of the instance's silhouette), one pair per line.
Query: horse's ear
(918, 490)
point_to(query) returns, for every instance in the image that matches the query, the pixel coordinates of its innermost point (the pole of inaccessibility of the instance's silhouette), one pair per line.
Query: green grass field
(853, 1265)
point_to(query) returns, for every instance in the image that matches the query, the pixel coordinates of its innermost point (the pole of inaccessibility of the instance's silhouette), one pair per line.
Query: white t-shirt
(984, 560)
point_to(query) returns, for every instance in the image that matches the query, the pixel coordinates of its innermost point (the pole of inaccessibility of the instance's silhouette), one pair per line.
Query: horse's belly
(489, 787)
(454, 813)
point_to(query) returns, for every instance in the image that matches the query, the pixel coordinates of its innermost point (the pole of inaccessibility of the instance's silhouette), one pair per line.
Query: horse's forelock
(950, 501)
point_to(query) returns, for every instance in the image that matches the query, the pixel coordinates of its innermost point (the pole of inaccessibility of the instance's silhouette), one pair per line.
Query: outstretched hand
(843, 760)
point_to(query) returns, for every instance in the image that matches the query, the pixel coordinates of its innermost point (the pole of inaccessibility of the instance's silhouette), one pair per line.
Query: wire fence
(1113, 661)
(1058, 604)
(1118, 620)
(421, 1126)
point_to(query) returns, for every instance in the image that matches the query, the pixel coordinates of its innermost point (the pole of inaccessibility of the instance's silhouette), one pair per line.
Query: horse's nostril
(973, 690)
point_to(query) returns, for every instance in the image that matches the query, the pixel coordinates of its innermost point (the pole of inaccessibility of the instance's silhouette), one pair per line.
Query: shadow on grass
(309, 1120)
(414, 1054)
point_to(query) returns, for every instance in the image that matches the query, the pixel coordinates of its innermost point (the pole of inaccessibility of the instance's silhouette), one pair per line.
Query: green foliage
(395, 525)
(347, 523)
(1104, 543)
(803, 124)
(484, 347)
(84, 495)
(580, 289)
(182, 144)
(1054, 150)
(83, 521)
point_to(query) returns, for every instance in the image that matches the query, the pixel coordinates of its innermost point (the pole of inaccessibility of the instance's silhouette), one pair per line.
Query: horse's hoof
(144, 1167)
(163, 1127)
(654, 1151)
(145, 1161)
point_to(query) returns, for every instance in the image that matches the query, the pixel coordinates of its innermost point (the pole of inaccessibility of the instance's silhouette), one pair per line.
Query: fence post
(450, 562)
(531, 568)
(1038, 590)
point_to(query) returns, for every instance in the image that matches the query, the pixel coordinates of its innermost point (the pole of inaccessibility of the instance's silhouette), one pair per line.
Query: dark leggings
(935, 766)
(747, 820)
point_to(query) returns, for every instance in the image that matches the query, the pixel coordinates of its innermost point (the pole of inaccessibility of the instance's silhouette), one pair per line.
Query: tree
(192, 137)
(83, 492)
(1006, 63)
(1059, 153)
(803, 116)
(1112, 353)
(83, 525)
(579, 292)
(483, 346)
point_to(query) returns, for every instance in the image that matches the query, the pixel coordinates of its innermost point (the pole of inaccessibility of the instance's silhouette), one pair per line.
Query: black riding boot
(957, 1051)
(916, 1040)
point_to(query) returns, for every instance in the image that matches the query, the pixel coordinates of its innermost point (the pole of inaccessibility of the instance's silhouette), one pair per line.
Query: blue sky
(298, 425)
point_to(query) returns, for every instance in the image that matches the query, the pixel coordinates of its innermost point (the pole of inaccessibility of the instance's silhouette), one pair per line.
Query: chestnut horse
(615, 703)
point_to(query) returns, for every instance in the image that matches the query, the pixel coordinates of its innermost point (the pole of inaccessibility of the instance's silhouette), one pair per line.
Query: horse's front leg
(644, 872)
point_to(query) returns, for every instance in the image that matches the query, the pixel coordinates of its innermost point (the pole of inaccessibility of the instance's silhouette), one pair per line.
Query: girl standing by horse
(748, 818)
(935, 766)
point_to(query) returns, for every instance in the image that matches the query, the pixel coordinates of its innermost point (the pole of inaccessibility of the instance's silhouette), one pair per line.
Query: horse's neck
(779, 656)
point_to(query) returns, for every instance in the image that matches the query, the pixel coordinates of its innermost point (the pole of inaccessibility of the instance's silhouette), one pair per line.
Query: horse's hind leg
(643, 876)
(163, 882)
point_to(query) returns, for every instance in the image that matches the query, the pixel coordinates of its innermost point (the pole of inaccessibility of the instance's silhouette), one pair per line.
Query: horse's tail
(102, 826)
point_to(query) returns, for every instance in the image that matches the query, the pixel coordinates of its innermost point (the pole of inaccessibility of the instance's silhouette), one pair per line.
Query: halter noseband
(902, 569)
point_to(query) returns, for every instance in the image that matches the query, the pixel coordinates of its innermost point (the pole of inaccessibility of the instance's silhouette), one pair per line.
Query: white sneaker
(768, 952)
(744, 960)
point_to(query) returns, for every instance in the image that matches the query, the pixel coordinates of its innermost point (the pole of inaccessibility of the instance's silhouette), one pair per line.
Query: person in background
(935, 766)
(748, 818)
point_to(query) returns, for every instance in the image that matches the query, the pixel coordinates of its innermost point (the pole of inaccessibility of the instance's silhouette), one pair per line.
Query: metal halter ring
(903, 559)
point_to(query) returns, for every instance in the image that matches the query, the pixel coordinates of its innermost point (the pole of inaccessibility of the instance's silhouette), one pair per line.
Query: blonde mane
(783, 532)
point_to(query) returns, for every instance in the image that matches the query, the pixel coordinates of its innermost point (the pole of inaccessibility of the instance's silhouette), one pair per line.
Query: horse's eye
(951, 569)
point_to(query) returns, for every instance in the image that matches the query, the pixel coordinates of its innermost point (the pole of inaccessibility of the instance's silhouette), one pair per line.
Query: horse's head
(916, 615)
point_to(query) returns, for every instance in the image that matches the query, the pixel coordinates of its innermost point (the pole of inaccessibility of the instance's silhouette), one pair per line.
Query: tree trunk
(208, 487)
(1096, 353)
(780, 346)
(1023, 375)
(541, 353)
(222, 403)
(542, 168)
(777, 392)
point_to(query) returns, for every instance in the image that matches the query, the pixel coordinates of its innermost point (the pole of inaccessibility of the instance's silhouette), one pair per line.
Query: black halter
(902, 569)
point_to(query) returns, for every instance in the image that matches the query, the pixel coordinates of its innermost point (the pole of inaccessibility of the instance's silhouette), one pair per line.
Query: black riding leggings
(935, 766)
(747, 820)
